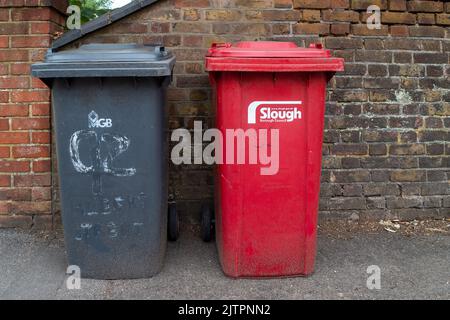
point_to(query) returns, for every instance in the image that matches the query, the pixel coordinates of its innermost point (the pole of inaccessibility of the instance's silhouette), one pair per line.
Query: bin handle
(221, 45)
(316, 46)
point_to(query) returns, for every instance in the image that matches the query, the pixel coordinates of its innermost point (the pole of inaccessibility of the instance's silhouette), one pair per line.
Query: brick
(435, 149)
(311, 15)
(13, 28)
(376, 203)
(340, 15)
(347, 203)
(399, 31)
(13, 55)
(40, 137)
(192, 3)
(192, 82)
(30, 152)
(405, 122)
(408, 176)
(348, 176)
(400, 203)
(425, 6)
(426, 18)
(5, 181)
(42, 109)
(398, 18)
(41, 194)
(14, 166)
(30, 14)
(15, 194)
(282, 15)
(349, 149)
(434, 122)
(30, 41)
(435, 71)
(340, 4)
(362, 30)
(191, 27)
(340, 29)
(4, 152)
(443, 19)
(161, 27)
(343, 43)
(30, 96)
(433, 176)
(250, 29)
(44, 222)
(172, 40)
(431, 189)
(13, 110)
(364, 4)
(284, 4)
(43, 180)
(427, 31)
(380, 136)
(30, 207)
(20, 69)
(432, 202)
(312, 4)
(377, 149)
(281, 29)
(376, 70)
(14, 137)
(397, 5)
(14, 82)
(4, 124)
(22, 222)
(312, 28)
(41, 166)
(4, 42)
(30, 123)
(352, 190)
(377, 189)
(4, 15)
(223, 15)
(413, 149)
(373, 56)
(350, 163)
(432, 58)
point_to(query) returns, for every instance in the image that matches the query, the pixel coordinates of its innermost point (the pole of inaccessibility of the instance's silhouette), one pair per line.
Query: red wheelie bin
(266, 218)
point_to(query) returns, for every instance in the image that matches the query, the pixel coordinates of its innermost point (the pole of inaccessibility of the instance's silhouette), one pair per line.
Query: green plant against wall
(91, 9)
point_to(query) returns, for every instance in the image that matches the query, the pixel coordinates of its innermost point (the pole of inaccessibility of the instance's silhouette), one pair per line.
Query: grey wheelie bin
(110, 122)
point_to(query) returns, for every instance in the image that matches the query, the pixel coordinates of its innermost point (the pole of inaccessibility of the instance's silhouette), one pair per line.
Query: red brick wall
(26, 30)
(386, 151)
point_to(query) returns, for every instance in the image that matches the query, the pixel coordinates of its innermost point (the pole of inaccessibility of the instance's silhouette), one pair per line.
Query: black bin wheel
(173, 223)
(207, 224)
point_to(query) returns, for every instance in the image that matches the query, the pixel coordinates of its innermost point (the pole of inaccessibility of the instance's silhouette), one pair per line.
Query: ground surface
(414, 264)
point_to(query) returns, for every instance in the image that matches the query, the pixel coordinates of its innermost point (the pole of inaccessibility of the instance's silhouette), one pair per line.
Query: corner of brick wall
(27, 28)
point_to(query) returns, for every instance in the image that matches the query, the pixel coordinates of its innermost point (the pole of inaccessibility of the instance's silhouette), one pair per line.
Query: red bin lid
(266, 56)
(267, 49)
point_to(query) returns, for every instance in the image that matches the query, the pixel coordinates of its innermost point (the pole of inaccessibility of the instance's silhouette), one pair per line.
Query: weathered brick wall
(387, 150)
(387, 134)
(26, 29)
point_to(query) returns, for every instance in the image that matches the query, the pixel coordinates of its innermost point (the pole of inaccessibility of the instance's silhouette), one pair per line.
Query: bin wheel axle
(207, 224)
(173, 223)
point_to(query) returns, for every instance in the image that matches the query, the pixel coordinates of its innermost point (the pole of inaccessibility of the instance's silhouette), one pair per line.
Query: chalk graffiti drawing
(104, 149)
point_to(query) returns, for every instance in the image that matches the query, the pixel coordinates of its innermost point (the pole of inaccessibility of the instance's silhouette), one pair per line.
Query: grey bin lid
(106, 60)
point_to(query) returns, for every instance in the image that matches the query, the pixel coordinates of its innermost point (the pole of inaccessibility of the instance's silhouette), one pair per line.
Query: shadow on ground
(413, 267)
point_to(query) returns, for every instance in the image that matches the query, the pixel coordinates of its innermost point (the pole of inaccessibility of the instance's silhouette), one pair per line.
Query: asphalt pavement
(412, 267)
